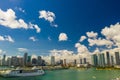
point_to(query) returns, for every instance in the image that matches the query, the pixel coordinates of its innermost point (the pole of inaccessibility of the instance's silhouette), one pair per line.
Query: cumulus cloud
(9, 19)
(82, 38)
(33, 38)
(112, 33)
(63, 37)
(100, 42)
(48, 16)
(92, 34)
(34, 26)
(66, 54)
(81, 48)
(2, 52)
(22, 49)
(9, 38)
(6, 38)
(62, 54)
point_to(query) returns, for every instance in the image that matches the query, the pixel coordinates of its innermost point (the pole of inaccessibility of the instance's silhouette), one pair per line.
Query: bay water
(73, 74)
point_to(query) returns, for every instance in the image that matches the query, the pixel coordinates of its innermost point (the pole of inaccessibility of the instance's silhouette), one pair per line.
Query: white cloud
(2, 38)
(33, 38)
(37, 28)
(62, 54)
(34, 56)
(63, 37)
(100, 42)
(9, 19)
(6, 38)
(9, 38)
(112, 33)
(66, 54)
(81, 48)
(2, 52)
(34, 26)
(96, 51)
(49, 39)
(22, 49)
(92, 34)
(82, 38)
(48, 16)
(20, 9)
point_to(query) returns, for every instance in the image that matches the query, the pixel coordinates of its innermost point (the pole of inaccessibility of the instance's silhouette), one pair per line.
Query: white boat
(22, 73)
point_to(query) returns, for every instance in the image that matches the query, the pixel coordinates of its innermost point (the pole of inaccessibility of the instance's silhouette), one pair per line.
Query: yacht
(22, 72)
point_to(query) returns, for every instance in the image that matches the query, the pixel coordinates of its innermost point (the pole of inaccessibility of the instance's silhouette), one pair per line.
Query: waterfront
(73, 74)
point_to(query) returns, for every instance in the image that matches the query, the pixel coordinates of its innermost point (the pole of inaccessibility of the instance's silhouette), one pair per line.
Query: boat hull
(9, 74)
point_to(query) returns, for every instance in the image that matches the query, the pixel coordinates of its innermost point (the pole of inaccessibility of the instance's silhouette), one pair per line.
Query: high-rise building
(34, 61)
(0, 61)
(3, 60)
(20, 61)
(9, 61)
(75, 62)
(95, 60)
(85, 61)
(117, 58)
(25, 59)
(43, 63)
(29, 62)
(108, 58)
(39, 61)
(80, 61)
(112, 60)
(14, 61)
(65, 63)
(101, 60)
(52, 60)
(61, 62)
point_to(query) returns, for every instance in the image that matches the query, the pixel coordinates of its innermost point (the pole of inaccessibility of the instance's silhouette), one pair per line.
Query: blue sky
(74, 18)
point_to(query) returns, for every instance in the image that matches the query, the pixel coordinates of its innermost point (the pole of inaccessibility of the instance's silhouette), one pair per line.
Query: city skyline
(47, 27)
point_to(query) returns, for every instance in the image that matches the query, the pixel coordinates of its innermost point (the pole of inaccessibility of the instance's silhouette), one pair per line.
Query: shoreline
(46, 68)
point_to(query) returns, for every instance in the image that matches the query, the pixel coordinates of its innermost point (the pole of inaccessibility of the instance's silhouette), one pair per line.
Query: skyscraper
(80, 61)
(39, 61)
(29, 62)
(85, 61)
(3, 60)
(108, 58)
(21, 62)
(25, 59)
(9, 61)
(65, 62)
(34, 61)
(14, 61)
(112, 60)
(0, 61)
(95, 60)
(117, 58)
(52, 60)
(75, 62)
(101, 60)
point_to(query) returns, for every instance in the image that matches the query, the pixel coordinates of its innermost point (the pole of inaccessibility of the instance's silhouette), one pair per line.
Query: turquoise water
(73, 74)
